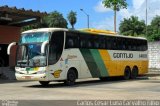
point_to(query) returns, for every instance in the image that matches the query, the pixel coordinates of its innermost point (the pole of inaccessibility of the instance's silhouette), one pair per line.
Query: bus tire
(127, 73)
(71, 77)
(2, 62)
(44, 83)
(134, 73)
(104, 78)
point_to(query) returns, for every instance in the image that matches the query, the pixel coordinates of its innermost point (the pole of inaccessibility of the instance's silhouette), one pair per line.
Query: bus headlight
(17, 72)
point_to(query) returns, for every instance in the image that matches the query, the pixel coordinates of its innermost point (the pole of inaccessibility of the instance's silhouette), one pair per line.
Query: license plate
(27, 77)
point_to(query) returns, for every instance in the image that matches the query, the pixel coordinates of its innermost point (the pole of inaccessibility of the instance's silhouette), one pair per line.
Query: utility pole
(87, 17)
(146, 16)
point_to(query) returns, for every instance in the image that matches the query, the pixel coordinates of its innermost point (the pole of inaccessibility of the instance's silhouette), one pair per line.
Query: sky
(100, 17)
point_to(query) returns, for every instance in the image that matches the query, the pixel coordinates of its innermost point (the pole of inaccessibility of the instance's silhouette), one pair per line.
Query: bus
(58, 54)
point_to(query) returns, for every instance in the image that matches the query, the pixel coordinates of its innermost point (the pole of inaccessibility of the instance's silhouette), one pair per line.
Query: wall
(154, 54)
(9, 34)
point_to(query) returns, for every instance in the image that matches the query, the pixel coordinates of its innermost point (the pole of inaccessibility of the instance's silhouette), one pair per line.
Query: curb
(154, 78)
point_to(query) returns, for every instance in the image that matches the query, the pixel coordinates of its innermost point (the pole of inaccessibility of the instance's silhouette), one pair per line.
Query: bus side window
(102, 43)
(70, 43)
(134, 45)
(96, 43)
(145, 45)
(82, 42)
(71, 40)
(56, 46)
(108, 43)
(89, 44)
(114, 43)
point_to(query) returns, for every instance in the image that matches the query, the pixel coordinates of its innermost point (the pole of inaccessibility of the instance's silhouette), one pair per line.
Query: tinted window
(94, 41)
(56, 47)
(72, 40)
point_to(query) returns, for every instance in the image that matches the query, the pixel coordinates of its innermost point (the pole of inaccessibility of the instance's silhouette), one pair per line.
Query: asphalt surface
(89, 89)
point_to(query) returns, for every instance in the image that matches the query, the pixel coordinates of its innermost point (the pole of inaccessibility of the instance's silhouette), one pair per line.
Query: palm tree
(115, 5)
(72, 18)
(132, 26)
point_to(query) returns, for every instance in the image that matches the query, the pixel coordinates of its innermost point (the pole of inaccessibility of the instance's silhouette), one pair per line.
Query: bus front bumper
(35, 77)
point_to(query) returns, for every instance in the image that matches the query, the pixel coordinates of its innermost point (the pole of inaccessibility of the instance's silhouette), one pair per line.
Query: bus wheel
(71, 78)
(134, 73)
(127, 73)
(44, 83)
(1, 62)
(104, 78)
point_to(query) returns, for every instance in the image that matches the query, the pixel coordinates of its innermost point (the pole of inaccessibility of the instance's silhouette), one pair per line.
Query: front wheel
(104, 78)
(71, 78)
(2, 62)
(44, 83)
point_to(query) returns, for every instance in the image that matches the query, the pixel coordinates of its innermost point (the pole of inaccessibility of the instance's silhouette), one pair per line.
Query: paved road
(84, 90)
(93, 89)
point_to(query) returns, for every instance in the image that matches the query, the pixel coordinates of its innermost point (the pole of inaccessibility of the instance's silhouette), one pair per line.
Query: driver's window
(56, 47)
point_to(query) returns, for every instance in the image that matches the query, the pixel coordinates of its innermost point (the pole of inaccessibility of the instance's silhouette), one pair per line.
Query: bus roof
(97, 31)
(45, 30)
(92, 31)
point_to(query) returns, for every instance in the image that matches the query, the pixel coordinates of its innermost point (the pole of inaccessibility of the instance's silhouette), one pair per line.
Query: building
(11, 22)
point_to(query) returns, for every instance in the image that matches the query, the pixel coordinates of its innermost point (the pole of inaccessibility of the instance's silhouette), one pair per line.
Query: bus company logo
(9, 103)
(123, 55)
(57, 73)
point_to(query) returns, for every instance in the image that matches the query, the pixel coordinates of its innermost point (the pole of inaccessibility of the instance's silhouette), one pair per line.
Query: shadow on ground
(87, 83)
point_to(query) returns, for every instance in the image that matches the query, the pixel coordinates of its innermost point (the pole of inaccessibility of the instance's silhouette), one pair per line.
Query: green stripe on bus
(98, 59)
(93, 68)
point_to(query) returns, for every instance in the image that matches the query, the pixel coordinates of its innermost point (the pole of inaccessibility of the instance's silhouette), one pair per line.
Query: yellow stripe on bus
(117, 67)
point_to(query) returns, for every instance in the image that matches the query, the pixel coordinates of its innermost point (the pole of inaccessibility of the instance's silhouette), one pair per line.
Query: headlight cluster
(17, 72)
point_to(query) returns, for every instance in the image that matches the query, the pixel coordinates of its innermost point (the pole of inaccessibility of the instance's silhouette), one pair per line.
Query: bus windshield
(30, 55)
(34, 37)
(29, 49)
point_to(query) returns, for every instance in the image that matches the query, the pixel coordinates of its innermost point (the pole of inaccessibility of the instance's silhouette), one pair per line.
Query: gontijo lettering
(123, 55)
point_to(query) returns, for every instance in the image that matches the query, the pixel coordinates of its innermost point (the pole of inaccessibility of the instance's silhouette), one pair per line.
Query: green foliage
(153, 30)
(115, 5)
(54, 19)
(132, 26)
(72, 18)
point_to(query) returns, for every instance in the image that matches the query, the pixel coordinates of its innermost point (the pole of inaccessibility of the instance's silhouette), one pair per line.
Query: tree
(54, 19)
(154, 29)
(132, 26)
(72, 18)
(115, 5)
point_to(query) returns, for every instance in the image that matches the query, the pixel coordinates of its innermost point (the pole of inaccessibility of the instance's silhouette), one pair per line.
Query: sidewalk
(153, 74)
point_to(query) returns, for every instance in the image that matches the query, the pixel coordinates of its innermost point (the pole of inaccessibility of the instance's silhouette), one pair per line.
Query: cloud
(106, 24)
(137, 8)
(100, 8)
(137, 3)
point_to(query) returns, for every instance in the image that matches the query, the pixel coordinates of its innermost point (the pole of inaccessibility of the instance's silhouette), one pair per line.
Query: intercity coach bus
(57, 54)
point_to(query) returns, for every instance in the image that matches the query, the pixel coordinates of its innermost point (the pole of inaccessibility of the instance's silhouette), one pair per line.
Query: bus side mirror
(10, 46)
(44, 46)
